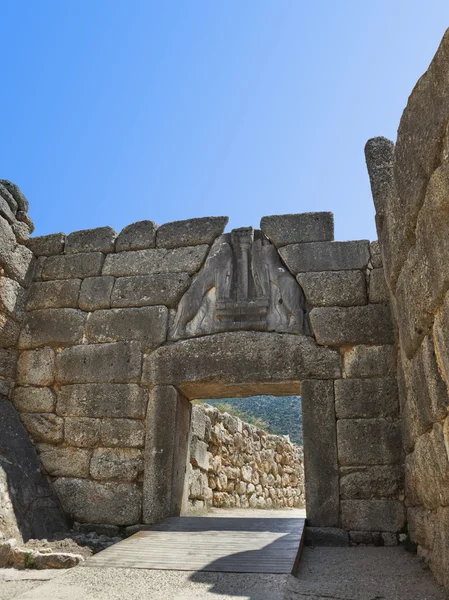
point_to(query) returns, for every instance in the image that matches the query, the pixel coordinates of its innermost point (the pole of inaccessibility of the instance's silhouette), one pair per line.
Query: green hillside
(277, 414)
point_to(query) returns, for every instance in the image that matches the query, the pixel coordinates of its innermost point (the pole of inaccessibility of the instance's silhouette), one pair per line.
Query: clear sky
(114, 111)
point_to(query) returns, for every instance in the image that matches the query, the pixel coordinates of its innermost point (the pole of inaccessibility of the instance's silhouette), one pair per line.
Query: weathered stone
(6, 212)
(57, 560)
(9, 331)
(326, 256)
(8, 360)
(334, 288)
(4, 388)
(81, 432)
(47, 245)
(36, 367)
(198, 422)
(370, 361)
(122, 432)
(12, 297)
(73, 265)
(25, 219)
(377, 288)
(376, 256)
(304, 227)
(113, 503)
(372, 515)
(117, 362)
(44, 427)
(371, 324)
(38, 267)
(16, 193)
(379, 481)
(379, 155)
(422, 525)
(34, 400)
(199, 455)
(52, 327)
(368, 442)
(17, 263)
(191, 232)
(232, 360)
(365, 398)
(124, 464)
(440, 329)
(150, 290)
(326, 536)
(361, 538)
(320, 453)
(54, 294)
(440, 555)
(157, 260)
(64, 462)
(8, 197)
(21, 231)
(102, 400)
(137, 236)
(101, 239)
(146, 325)
(8, 238)
(96, 293)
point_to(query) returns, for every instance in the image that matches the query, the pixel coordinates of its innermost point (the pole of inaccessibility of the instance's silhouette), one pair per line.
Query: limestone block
(38, 267)
(64, 462)
(4, 388)
(9, 331)
(379, 155)
(137, 236)
(376, 255)
(368, 442)
(113, 400)
(326, 536)
(18, 263)
(8, 238)
(370, 361)
(44, 427)
(111, 503)
(81, 432)
(52, 327)
(101, 239)
(54, 294)
(422, 524)
(146, 325)
(371, 324)
(9, 198)
(150, 290)
(47, 245)
(198, 422)
(8, 360)
(191, 232)
(34, 400)
(365, 398)
(379, 481)
(96, 293)
(72, 266)
(377, 289)
(199, 455)
(6, 212)
(440, 337)
(122, 432)
(21, 231)
(157, 260)
(372, 515)
(36, 367)
(16, 193)
(123, 464)
(304, 227)
(12, 297)
(326, 256)
(117, 362)
(334, 288)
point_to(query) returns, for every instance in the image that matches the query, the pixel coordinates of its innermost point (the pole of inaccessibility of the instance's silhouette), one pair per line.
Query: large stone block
(304, 227)
(326, 256)
(101, 239)
(377, 288)
(44, 427)
(379, 481)
(65, 462)
(36, 367)
(157, 260)
(204, 366)
(122, 464)
(334, 288)
(370, 361)
(440, 555)
(12, 297)
(371, 324)
(422, 524)
(8, 361)
(102, 400)
(17, 194)
(81, 432)
(146, 325)
(34, 400)
(191, 232)
(93, 502)
(365, 398)
(117, 362)
(73, 266)
(9, 331)
(150, 290)
(137, 236)
(96, 293)
(440, 337)
(47, 245)
(54, 294)
(198, 425)
(52, 327)
(320, 453)
(122, 432)
(368, 442)
(379, 155)
(376, 255)
(199, 456)
(372, 515)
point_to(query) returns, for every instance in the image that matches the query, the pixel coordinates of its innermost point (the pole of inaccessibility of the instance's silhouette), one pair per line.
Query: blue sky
(115, 111)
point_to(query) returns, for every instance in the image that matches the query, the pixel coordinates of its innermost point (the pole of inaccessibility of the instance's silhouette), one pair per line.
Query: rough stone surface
(80, 432)
(376, 255)
(64, 462)
(137, 236)
(326, 256)
(54, 294)
(102, 400)
(36, 367)
(34, 400)
(150, 290)
(12, 297)
(326, 536)
(9, 331)
(52, 327)
(96, 293)
(44, 427)
(305, 227)
(124, 464)
(372, 515)
(368, 442)
(124, 432)
(47, 245)
(377, 289)
(8, 360)
(334, 288)
(73, 266)
(192, 232)
(379, 481)
(101, 239)
(365, 398)
(370, 361)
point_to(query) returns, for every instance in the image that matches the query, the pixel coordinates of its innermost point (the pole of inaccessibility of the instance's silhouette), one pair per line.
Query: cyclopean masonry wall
(234, 464)
(410, 184)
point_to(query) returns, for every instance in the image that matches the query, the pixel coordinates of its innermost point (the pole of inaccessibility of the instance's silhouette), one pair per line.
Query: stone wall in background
(410, 184)
(234, 464)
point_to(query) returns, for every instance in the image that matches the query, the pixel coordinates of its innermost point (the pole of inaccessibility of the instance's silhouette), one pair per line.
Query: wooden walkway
(230, 544)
